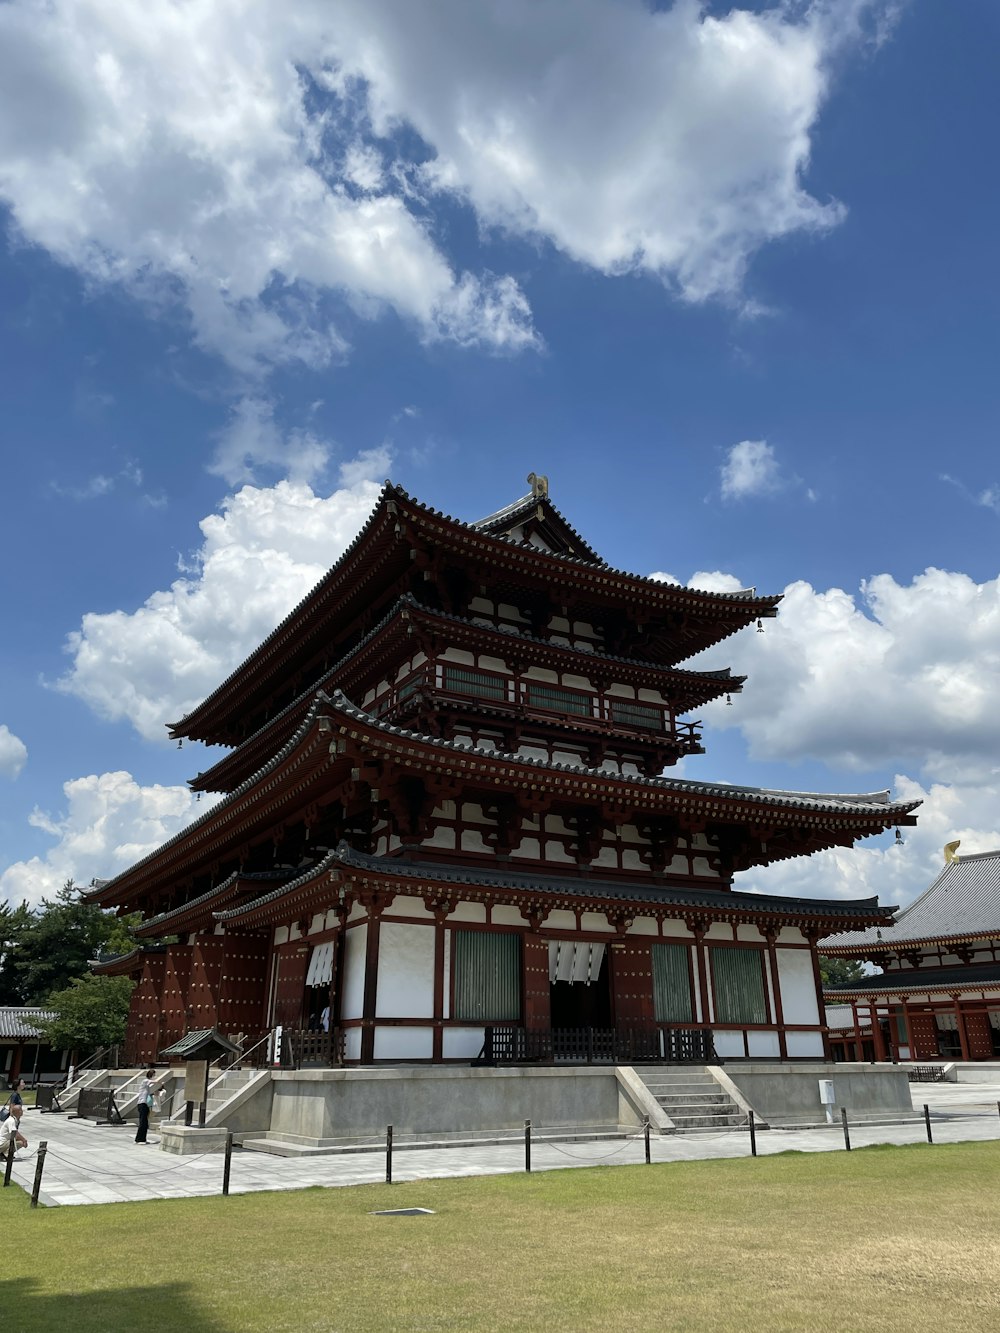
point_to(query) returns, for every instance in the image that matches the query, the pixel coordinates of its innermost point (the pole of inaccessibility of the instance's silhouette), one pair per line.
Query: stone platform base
(191, 1140)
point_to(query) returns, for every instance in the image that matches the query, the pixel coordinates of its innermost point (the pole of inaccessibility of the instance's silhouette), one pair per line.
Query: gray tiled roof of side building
(18, 1022)
(963, 900)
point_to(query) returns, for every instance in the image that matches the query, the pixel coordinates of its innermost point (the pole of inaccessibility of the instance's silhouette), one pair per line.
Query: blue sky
(728, 277)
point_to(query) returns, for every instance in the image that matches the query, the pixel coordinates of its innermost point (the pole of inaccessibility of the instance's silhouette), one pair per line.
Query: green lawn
(877, 1239)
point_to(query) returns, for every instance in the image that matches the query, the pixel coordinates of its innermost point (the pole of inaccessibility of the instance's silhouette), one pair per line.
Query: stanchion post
(645, 1130)
(228, 1162)
(527, 1145)
(753, 1134)
(847, 1132)
(9, 1167)
(927, 1122)
(43, 1148)
(388, 1154)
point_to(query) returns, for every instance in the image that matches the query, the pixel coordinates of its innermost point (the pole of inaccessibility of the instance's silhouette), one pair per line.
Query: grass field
(878, 1239)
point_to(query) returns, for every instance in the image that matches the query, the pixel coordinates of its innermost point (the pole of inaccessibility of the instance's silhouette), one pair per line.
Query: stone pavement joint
(93, 1164)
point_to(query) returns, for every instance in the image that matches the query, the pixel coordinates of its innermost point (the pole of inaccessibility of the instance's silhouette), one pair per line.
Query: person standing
(148, 1089)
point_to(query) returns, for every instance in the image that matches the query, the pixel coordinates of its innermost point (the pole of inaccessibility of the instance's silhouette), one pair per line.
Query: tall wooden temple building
(444, 827)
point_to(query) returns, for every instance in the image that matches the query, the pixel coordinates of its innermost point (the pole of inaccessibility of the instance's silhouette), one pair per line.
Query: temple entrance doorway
(579, 988)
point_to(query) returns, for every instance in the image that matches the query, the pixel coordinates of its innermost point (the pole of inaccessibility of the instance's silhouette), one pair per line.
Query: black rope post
(753, 1134)
(227, 1164)
(388, 1154)
(847, 1132)
(927, 1122)
(43, 1148)
(998, 1108)
(527, 1146)
(9, 1167)
(188, 1112)
(645, 1130)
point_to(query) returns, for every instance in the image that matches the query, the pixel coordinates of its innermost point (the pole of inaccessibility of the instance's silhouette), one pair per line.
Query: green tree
(55, 942)
(840, 971)
(90, 1012)
(14, 921)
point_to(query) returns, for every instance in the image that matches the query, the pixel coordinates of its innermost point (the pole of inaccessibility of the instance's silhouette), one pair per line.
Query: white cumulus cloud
(13, 753)
(751, 469)
(258, 558)
(248, 162)
(109, 823)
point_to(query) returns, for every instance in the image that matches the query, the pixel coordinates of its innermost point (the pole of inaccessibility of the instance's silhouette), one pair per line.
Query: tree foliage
(42, 949)
(90, 1012)
(840, 971)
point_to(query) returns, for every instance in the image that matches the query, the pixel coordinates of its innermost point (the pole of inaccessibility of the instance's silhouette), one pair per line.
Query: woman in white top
(10, 1131)
(148, 1089)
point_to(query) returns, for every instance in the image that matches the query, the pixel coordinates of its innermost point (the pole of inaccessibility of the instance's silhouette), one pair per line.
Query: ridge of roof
(524, 506)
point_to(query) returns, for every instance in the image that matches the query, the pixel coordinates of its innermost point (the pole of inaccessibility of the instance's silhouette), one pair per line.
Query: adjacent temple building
(445, 834)
(937, 994)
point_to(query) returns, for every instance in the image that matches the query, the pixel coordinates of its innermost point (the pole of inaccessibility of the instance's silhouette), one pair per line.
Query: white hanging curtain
(575, 960)
(320, 965)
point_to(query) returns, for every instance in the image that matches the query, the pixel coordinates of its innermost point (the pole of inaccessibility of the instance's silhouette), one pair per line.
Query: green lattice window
(644, 717)
(467, 680)
(486, 967)
(671, 984)
(557, 700)
(738, 981)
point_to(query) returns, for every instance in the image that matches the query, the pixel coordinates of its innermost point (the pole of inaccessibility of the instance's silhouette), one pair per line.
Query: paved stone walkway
(91, 1164)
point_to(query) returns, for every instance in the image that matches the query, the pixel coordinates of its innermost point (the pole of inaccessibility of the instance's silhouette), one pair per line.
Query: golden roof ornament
(539, 485)
(951, 851)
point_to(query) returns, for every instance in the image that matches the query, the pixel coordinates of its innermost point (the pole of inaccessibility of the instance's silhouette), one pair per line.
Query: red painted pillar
(779, 1017)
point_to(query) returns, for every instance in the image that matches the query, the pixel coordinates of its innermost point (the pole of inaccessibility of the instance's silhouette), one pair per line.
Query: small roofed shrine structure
(937, 994)
(445, 830)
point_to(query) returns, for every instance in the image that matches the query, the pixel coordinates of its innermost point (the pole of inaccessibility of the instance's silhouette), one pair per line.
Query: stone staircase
(222, 1087)
(692, 1099)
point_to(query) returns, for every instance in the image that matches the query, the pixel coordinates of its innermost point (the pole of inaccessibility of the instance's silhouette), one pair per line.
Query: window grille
(486, 966)
(738, 979)
(645, 717)
(466, 680)
(671, 984)
(557, 700)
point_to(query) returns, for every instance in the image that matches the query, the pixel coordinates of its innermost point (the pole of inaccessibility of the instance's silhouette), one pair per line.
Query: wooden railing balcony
(508, 1044)
(444, 684)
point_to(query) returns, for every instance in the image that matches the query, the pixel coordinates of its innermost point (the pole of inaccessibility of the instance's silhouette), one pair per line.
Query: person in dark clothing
(148, 1089)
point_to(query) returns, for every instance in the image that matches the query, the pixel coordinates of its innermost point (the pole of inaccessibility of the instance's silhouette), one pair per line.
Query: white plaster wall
(543, 674)
(405, 972)
(749, 933)
(631, 860)
(622, 691)
(353, 993)
(318, 923)
(404, 1043)
(555, 851)
(607, 856)
(472, 841)
(651, 696)
(505, 915)
(281, 935)
(762, 1043)
(676, 929)
(531, 752)
(467, 912)
(458, 655)
(356, 913)
(798, 986)
(643, 925)
(728, 1044)
(561, 920)
(473, 814)
(718, 930)
(462, 1043)
(790, 935)
(530, 849)
(443, 836)
(804, 1043)
(352, 1044)
(594, 921)
(576, 682)
(407, 906)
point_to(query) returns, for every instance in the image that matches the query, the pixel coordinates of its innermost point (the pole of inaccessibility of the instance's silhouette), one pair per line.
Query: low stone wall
(321, 1106)
(783, 1094)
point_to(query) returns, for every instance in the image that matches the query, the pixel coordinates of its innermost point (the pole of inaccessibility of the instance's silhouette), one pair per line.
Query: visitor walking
(148, 1090)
